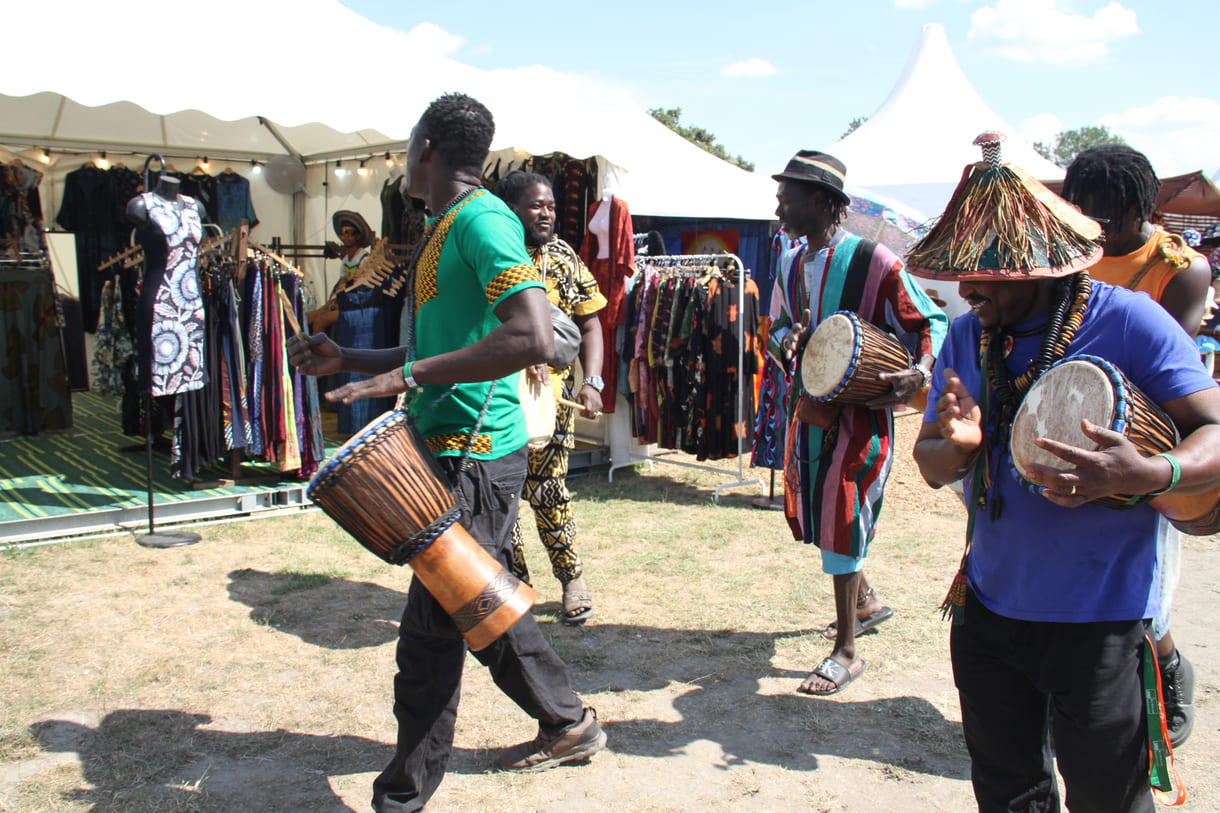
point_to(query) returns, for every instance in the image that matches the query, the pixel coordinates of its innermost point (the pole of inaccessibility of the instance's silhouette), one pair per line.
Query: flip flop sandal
(835, 672)
(862, 625)
(577, 604)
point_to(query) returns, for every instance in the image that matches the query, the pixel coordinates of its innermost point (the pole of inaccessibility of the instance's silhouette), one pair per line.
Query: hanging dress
(170, 332)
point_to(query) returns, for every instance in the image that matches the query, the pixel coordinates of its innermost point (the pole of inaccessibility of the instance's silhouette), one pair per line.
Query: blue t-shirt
(1040, 561)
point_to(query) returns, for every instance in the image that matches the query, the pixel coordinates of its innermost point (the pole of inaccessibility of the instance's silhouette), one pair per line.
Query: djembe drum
(845, 357)
(1092, 388)
(385, 489)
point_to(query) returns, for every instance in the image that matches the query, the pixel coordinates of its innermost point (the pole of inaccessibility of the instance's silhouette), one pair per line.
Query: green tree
(671, 118)
(853, 125)
(1070, 143)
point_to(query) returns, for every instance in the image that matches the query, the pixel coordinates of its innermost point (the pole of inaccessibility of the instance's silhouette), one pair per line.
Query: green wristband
(1174, 478)
(408, 378)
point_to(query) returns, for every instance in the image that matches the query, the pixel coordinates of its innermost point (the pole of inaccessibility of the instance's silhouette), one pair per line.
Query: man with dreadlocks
(1051, 601)
(836, 465)
(1115, 185)
(476, 314)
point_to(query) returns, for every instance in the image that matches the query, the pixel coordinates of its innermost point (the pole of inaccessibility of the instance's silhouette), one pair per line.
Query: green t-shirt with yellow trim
(482, 261)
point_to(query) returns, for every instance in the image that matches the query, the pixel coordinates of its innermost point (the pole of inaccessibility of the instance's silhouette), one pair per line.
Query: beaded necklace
(1066, 314)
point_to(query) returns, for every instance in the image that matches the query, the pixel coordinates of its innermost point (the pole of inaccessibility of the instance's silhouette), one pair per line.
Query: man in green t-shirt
(476, 314)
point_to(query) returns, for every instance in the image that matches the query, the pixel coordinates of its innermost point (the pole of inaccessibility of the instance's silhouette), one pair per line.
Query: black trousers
(1022, 681)
(431, 651)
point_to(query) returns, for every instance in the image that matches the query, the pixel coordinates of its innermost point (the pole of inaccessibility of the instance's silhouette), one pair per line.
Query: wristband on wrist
(1174, 477)
(409, 379)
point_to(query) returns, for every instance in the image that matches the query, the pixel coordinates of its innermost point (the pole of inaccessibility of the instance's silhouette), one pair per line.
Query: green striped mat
(83, 469)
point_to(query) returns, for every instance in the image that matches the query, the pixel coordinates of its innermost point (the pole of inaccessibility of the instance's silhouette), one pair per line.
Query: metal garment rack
(739, 270)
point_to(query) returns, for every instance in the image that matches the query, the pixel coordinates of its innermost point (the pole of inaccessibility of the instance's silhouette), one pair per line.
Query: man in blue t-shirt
(1050, 621)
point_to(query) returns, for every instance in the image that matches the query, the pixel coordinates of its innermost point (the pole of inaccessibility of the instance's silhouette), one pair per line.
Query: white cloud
(1042, 127)
(751, 67)
(1040, 31)
(434, 39)
(1178, 135)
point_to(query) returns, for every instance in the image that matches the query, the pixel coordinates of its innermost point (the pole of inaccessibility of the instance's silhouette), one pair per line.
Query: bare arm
(1185, 295)
(591, 358)
(945, 448)
(524, 337)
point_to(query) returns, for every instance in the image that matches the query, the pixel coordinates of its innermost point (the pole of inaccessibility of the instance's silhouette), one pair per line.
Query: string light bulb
(204, 164)
(339, 170)
(256, 168)
(362, 170)
(102, 163)
(46, 156)
(389, 162)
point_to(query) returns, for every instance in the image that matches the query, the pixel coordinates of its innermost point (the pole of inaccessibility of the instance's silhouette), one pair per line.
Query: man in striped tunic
(836, 467)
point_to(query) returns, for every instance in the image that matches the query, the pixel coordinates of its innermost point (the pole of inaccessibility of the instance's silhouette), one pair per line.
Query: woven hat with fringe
(1002, 223)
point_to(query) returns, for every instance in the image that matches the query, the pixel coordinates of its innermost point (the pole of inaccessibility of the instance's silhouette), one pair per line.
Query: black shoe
(1178, 690)
(577, 742)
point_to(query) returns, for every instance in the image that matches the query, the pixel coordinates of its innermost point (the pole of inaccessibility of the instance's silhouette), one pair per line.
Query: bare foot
(869, 613)
(832, 675)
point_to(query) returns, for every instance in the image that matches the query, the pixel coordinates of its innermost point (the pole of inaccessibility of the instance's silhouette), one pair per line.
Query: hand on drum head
(379, 386)
(315, 355)
(958, 415)
(1117, 467)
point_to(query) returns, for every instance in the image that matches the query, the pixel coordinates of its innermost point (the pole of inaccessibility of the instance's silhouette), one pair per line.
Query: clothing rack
(728, 264)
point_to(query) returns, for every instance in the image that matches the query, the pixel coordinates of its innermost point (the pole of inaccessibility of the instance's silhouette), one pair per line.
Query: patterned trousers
(547, 491)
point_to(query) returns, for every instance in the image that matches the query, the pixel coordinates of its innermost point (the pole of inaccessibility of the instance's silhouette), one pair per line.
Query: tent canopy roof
(334, 107)
(922, 132)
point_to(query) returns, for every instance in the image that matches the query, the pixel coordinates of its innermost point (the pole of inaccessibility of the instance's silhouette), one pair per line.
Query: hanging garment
(170, 318)
(611, 261)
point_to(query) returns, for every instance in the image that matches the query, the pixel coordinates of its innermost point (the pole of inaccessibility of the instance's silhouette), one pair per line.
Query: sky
(769, 79)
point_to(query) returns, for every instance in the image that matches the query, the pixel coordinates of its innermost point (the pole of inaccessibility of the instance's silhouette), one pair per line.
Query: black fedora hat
(811, 166)
(346, 217)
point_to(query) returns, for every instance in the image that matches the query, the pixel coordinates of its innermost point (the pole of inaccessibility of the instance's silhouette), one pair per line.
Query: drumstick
(567, 403)
(290, 314)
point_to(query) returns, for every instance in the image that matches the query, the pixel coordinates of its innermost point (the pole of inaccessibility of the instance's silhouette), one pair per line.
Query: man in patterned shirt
(475, 315)
(570, 286)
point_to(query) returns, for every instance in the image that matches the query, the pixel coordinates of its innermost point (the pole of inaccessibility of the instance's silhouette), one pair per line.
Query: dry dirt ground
(251, 672)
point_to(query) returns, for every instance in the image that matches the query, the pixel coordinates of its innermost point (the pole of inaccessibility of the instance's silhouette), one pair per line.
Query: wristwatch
(927, 376)
(596, 382)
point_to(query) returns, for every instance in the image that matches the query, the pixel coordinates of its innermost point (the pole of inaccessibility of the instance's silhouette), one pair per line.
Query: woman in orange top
(1115, 185)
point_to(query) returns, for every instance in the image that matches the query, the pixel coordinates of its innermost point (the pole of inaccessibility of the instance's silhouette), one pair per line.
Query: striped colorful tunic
(834, 493)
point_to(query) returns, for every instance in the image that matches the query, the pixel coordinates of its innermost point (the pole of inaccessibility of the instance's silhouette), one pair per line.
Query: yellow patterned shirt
(475, 260)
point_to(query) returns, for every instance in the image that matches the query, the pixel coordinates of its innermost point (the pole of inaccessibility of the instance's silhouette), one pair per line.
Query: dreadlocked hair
(512, 186)
(1116, 177)
(460, 129)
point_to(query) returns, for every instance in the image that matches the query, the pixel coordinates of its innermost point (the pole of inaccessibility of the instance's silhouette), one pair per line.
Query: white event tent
(913, 148)
(322, 83)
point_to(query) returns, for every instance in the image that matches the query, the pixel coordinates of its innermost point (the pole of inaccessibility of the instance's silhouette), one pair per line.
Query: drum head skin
(538, 403)
(828, 354)
(1054, 407)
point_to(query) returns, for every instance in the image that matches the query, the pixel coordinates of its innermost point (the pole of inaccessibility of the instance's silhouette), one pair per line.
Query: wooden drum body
(385, 489)
(1089, 387)
(844, 358)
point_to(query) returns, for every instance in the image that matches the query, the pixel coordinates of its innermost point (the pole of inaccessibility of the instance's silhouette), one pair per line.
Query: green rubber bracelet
(1174, 478)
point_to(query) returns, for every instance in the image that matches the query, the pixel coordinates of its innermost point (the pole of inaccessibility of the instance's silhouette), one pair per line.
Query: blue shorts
(836, 564)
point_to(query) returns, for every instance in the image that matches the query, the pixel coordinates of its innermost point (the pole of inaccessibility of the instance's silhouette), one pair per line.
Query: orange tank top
(1150, 267)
